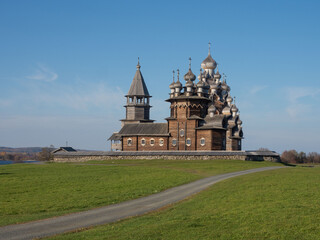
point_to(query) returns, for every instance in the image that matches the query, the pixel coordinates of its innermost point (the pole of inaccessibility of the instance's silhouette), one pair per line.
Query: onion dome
(217, 74)
(226, 110)
(224, 86)
(200, 84)
(214, 86)
(209, 63)
(178, 84)
(239, 121)
(229, 99)
(234, 108)
(189, 76)
(189, 84)
(212, 108)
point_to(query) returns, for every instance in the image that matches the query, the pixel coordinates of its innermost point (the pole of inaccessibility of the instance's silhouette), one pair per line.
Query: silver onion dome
(229, 99)
(226, 111)
(189, 76)
(234, 108)
(200, 84)
(178, 84)
(217, 75)
(209, 63)
(189, 83)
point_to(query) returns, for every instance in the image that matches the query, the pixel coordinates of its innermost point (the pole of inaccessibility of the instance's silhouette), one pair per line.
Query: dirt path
(112, 213)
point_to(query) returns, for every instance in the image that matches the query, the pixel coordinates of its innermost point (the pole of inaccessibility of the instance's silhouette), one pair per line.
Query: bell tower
(138, 101)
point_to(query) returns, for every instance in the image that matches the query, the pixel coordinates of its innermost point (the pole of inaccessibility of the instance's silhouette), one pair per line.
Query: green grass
(202, 168)
(30, 192)
(277, 204)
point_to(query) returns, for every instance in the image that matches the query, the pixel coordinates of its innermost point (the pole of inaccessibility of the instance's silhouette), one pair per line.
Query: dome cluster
(212, 87)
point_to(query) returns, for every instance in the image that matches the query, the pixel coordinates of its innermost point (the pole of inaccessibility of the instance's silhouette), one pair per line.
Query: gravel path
(112, 213)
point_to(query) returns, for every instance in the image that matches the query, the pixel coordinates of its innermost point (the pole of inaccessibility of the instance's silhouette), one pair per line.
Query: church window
(174, 142)
(129, 142)
(188, 142)
(151, 141)
(181, 132)
(161, 142)
(202, 141)
(143, 142)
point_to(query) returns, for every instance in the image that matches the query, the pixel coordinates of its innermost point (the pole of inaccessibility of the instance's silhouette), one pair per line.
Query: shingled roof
(159, 129)
(115, 137)
(215, 122)
(138, 86)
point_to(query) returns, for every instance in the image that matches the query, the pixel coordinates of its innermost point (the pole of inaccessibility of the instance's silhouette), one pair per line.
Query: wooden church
(203, 115)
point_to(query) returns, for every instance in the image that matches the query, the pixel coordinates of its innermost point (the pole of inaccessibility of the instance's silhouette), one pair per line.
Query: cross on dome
(138, 65)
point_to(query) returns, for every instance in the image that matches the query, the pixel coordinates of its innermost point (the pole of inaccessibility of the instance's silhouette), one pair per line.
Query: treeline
(17, 157)
(292, 156)
(44, 155)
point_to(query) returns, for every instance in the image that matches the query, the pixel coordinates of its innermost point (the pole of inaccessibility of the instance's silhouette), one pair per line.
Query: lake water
(12, 162)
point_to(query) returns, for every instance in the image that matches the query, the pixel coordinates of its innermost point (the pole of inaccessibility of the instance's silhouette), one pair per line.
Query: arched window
(161, 142)
(129, 142)
(181, 132)
(151, 141)
(174, 142)
(143, 142)
(202, 141)
(188, 142)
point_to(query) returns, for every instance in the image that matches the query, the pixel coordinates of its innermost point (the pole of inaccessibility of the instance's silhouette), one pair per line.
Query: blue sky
(66, 66)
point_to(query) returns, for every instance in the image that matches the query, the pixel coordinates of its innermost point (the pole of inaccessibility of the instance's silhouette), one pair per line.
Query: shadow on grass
(288, 164)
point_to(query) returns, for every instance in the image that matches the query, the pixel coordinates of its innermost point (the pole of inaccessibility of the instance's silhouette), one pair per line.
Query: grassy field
(203, 168)
(29, 192)
(277, 204)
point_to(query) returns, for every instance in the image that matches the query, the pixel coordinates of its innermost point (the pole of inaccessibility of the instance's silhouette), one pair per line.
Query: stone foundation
(168, 155)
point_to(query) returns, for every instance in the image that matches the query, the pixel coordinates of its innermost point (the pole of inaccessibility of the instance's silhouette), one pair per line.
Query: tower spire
(178, 73)
(190, 63)
(173, 76)
(209, 52)
(138, 65)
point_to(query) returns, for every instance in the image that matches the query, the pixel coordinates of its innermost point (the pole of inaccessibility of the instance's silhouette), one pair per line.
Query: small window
(202, 141)
(143, 142)
(151, 141)
(174, 142)
(129, 142)
(161, 142)
(181, 132)
(188, 142)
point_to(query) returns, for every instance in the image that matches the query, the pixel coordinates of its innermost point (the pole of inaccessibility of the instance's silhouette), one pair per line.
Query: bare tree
(45, 155)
